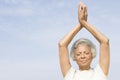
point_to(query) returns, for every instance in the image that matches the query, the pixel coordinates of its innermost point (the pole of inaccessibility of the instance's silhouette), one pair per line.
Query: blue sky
(30, 31)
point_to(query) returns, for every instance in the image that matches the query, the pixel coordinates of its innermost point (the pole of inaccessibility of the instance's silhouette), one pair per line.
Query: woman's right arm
(63, 49)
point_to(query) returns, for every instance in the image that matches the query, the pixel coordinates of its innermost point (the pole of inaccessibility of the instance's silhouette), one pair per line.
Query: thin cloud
(31, 29)
(17, 8)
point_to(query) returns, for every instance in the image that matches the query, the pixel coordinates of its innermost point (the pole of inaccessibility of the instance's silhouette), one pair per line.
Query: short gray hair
(82, 41)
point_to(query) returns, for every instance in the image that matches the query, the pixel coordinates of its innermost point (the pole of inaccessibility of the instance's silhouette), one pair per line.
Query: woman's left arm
(104, 59)
(104, 46)
(102, 39)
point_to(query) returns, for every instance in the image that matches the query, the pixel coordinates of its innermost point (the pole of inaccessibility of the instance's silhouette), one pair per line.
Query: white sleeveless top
(92, 74)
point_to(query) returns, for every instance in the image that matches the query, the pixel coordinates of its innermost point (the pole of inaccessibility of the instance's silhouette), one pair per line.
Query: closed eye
(87, 53)
(77, 54)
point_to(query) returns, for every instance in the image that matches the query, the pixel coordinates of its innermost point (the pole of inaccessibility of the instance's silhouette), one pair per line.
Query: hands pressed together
(82, 13)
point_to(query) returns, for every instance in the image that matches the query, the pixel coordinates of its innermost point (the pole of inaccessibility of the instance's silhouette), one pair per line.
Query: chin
(84, 65)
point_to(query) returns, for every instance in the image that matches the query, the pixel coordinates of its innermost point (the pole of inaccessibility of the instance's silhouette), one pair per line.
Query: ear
(92, 56)
(74, 59)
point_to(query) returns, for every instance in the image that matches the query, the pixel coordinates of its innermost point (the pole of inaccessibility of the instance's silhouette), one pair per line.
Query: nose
(82, 56)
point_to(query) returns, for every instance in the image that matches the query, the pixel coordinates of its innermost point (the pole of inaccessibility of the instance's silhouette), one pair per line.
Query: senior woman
(83, 51)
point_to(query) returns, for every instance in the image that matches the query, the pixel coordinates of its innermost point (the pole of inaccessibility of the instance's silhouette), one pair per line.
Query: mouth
(83, 61)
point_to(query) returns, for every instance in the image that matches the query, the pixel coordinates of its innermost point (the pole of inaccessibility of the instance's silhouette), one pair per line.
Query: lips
(83, 61)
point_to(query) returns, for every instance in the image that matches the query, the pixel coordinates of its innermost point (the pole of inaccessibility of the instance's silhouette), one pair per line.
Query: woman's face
(83, 56)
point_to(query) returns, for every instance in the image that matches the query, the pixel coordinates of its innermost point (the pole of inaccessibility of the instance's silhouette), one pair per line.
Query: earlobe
(74, 58)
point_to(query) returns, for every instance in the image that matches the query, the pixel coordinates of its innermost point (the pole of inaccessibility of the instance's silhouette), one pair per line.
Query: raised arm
(103, 40)
(63, 49)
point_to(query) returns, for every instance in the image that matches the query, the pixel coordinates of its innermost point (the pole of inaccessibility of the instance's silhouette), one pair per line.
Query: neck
(84, 68)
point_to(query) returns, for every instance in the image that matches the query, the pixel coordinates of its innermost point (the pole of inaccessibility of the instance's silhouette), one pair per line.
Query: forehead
(83, 47)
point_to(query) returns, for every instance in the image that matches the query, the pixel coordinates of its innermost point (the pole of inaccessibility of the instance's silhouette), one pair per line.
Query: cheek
(89, 56)
(77, 57)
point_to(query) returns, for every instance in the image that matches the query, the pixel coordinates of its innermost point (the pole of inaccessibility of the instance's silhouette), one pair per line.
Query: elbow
(105, 41)
(61, 44)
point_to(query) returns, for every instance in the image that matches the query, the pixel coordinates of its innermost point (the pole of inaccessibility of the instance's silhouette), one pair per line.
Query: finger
(84, 9)
(86, 13)
(80, 6)
(81, 3)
